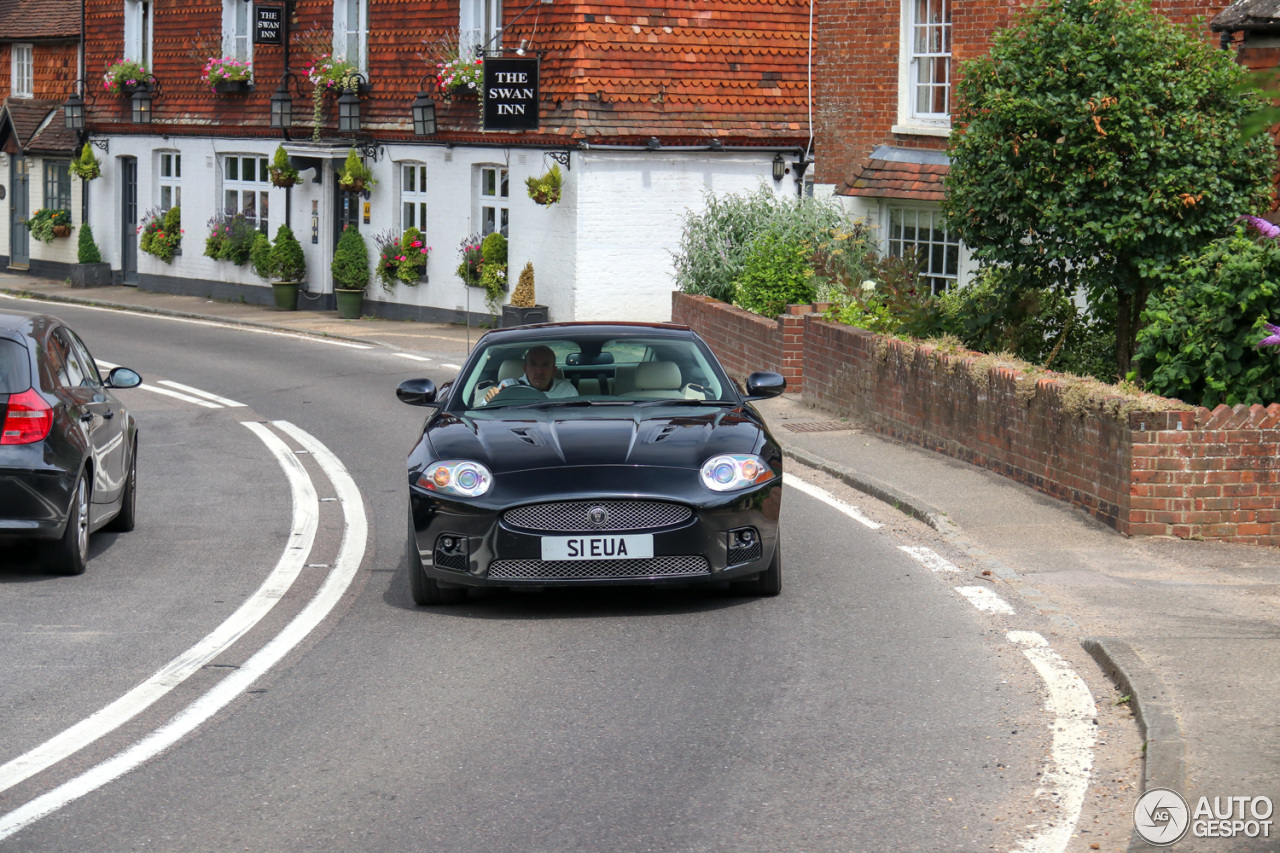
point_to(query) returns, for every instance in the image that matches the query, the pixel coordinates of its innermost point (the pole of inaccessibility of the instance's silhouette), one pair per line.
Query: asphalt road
(870, 707)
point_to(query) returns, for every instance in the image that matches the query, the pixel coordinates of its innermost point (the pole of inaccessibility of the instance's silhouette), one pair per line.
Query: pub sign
(268, 24)
(511, 93)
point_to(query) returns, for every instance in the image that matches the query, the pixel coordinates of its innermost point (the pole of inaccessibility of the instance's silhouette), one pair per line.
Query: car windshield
(586, 372)
(15, 370)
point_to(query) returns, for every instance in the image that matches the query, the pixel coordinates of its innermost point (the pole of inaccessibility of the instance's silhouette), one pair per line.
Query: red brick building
(884, 84)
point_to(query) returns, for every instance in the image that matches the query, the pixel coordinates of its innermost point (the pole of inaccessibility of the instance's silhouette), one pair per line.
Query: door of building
(19, 210)
(129, 220)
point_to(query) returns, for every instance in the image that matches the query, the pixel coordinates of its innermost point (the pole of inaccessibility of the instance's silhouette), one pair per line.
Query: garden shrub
(260, 255)
(87, 249)
(777, 272)
(1203, 322)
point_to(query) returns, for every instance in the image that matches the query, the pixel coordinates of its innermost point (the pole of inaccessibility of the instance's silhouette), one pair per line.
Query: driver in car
(539, 373)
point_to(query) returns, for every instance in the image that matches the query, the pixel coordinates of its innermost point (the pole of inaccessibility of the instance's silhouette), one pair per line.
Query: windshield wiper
(570, 403)
(687, 402)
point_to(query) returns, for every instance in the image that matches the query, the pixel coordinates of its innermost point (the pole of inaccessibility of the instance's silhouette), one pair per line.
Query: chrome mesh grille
(574, 516)
(745, 555)
(597, 569)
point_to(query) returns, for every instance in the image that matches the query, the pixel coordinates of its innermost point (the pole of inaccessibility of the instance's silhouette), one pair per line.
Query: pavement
(1190, 630)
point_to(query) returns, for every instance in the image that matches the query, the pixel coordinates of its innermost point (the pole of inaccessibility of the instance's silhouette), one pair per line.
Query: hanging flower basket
(232, 87)
(227, 75)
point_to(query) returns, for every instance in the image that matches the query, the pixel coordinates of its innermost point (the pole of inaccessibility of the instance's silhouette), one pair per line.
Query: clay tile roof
(889, 174)
(22, 20)
(1250, 15)
(31, 120)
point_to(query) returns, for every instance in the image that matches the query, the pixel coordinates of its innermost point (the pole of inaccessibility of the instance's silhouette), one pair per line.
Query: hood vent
(528, 436)
(661, 433)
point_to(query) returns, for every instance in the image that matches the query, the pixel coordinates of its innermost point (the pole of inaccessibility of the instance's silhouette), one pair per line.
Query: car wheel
(427, 591)
(68, 554)
(768, 582)
(126, 518)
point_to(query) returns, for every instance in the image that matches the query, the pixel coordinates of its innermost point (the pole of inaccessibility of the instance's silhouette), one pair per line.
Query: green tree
(1096, 144)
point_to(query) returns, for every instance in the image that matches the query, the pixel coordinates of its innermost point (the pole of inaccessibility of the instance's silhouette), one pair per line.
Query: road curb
(59, 298)
(900, 501)
(1165, 759)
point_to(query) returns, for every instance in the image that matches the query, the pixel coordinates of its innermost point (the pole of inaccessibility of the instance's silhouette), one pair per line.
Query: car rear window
(15, 369)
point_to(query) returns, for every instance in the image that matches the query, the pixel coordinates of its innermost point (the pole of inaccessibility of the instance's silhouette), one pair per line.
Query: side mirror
(123, 377)
(764, 384)
(417, 392)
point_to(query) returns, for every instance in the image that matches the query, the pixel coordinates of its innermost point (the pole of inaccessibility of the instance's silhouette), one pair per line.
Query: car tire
(768, 582)
(427, 591)
(126, 518)
(68, 554)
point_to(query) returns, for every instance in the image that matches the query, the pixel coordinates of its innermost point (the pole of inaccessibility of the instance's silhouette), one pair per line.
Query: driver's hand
(491, 393)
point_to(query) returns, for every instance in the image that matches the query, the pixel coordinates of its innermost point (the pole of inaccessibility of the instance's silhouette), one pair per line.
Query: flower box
(232, 87)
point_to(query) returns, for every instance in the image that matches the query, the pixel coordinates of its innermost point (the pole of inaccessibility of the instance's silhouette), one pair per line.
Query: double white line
(306, 513)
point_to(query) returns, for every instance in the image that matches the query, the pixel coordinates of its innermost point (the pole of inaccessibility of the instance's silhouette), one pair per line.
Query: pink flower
(1272, 339)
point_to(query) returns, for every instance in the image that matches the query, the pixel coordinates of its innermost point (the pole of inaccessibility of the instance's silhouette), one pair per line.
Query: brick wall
(746, 342)
(1193, 473)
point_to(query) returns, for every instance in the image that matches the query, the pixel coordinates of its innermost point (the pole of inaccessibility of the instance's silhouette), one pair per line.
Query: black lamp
(142, 106)
(282, 107)
(73, 112)
(424, 112)
(779, 168)
(349, 110)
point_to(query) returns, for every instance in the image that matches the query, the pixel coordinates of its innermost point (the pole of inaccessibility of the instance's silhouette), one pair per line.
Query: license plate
(636, 547)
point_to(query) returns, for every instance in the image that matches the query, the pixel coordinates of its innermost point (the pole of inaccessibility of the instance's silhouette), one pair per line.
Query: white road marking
(985, 600)
(177, 395)
(354, 540)
(930, 559)
(306, 514)
(257, 330)
(452, 366)
(410, 356)
(829, 499)
(1066, 775)
(230, 404)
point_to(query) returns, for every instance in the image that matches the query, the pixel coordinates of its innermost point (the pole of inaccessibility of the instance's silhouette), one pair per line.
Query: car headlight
(465, 478)
(734, 471)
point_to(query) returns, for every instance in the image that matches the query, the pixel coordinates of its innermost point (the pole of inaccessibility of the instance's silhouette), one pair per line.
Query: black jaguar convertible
(577, 454)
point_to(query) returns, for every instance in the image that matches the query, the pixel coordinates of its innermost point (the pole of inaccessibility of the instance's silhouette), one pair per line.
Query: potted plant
(260, 256)
(289, 268)
(161, 233)
(355, 176)
(124, 77)
(329, 75)
(523, 308)
(47, 223)
(460, 76)
(90, 271)
(283, 174)
(231, 237)
(545, 189)
(401, 260)
(350, 268)
(87, 165)
(493, 270)
(228, 75)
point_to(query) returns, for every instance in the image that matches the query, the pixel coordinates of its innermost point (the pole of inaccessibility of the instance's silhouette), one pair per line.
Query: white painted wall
(603, 252)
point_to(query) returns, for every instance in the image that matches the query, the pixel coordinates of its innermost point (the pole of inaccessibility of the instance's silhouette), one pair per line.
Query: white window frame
(922, 43)
(493, 199)
(479, 25)
(413, 197)
(138, 30)
(933, 266)
(351, 32)
(237, 30)
(240, 194)
(168, 180)
(22, 77)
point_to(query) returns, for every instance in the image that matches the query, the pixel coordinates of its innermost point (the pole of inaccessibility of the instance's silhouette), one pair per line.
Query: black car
(68, 447)
(578, 454)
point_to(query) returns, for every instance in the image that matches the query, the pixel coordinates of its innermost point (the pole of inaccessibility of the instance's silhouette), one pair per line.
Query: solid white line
(985, 600)
(410, 356)
(306, 515)
(1066, 776)
(929, 558)
(354, 539)
(216, 324)
(186, 398)
(829, 499)
(230, 404)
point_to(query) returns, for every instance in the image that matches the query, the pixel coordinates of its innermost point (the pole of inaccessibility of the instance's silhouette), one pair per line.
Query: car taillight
(28, 420)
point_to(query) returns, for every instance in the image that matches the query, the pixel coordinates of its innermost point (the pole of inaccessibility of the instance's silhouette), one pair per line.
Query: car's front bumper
(489, 550)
